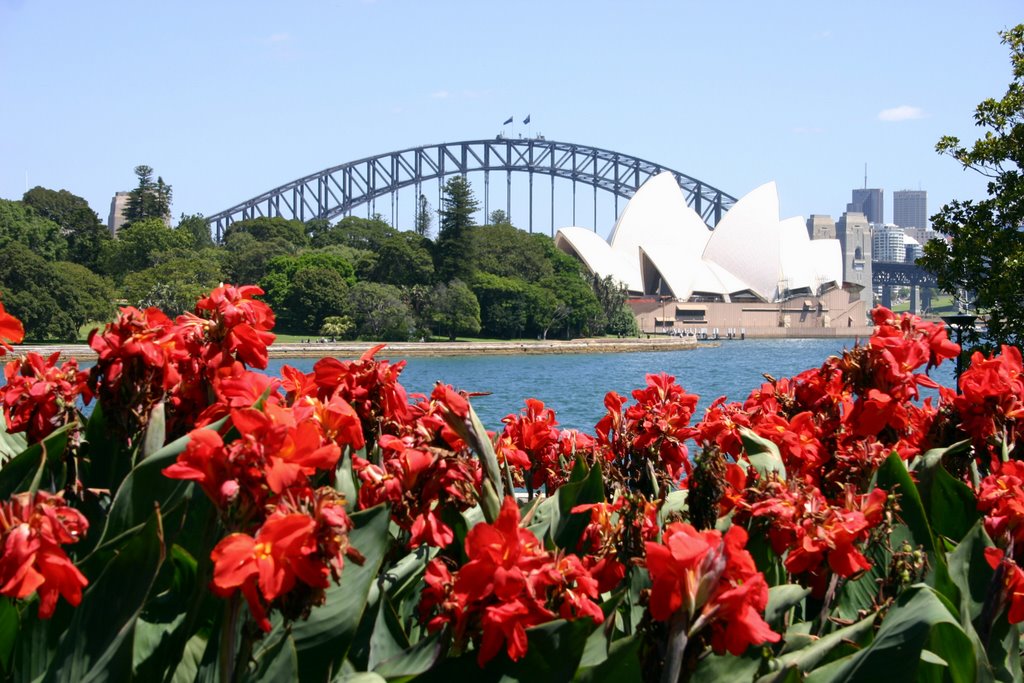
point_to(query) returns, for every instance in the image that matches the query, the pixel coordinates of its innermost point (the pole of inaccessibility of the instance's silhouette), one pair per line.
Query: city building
(854, 234)
(888, 241)
(821, 227)
(910, 209)
(117, 207)
(870, 202)
(754, 270)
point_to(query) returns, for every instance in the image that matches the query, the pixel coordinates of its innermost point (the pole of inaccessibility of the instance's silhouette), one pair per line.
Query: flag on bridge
(526, 120)
(509, 121)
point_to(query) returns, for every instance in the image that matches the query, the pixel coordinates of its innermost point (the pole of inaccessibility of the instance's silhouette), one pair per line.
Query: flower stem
(677, 640)
(229, 629)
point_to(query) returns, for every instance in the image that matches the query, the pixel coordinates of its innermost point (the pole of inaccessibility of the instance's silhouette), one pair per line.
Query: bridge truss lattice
(335, 191)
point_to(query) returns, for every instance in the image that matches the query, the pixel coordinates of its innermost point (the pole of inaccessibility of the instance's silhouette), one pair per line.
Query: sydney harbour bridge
(338, 190)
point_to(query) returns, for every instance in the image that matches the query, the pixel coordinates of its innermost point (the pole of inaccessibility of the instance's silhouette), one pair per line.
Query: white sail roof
(660, 238)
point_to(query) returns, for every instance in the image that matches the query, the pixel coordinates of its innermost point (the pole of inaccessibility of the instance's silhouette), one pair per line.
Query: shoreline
(493, 348)
(356, 349)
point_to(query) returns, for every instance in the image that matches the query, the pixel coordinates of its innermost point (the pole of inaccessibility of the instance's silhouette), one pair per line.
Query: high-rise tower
(910, 208)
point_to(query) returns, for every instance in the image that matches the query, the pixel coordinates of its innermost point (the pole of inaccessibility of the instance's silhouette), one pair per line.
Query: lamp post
(959, 323)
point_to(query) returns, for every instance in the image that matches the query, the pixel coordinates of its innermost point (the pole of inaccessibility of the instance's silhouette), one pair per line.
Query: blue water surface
(574, 385)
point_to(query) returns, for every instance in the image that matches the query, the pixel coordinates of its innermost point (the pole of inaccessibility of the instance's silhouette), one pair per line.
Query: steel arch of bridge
(336, 190)
(884, 273)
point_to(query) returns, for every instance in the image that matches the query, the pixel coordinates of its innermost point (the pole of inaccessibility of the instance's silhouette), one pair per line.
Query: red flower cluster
(39, 396)
(11, 330)
(509, 584)
(710, 582)
(653, 431)
(1001, 499)
(992, 400)
(529, 444)
(819, 536)
(1012, 583)
(33, 529)
(146, 358)
(306, 546)
(615, 535)
(424, 468)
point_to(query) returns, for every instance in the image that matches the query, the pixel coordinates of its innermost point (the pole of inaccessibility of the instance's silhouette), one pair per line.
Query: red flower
(710, 581)
(11, 330)
(33, 529)
(39, 397)
(271, 562)
(1013, 582)
(509, 584)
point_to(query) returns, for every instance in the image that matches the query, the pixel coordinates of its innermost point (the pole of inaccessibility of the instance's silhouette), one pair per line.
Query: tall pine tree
(454, 256)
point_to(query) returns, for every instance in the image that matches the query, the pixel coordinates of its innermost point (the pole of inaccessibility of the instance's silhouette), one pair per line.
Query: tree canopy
(150, 198)
(454, 252)
(983, 261)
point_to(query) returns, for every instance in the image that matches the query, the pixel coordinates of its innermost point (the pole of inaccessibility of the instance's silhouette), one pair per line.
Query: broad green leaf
(814, 650)
(790, 674)
(133, 502)
(952, 506)
(920, 620)
(156, 431)
(322, 641)
(762, 454)
(17, 474)
(860, 595)
(388, 638)
(473, 432)
(417, 659)
(10, 623)
(571, 525)
(622, 664)
(276, 659)
(98, 644)
(781, 599)
(10, 444)
(188, 666)
(721, 668)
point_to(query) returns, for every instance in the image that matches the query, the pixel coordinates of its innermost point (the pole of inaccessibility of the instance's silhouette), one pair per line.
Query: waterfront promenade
(317, 349)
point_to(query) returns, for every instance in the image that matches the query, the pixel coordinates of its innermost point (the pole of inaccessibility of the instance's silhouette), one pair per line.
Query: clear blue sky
(228, 99)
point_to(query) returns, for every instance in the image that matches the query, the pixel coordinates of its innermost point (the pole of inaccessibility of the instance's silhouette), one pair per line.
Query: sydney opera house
(753, 272)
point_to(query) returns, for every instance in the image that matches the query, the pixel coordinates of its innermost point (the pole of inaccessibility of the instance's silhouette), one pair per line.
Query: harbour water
(574, 385)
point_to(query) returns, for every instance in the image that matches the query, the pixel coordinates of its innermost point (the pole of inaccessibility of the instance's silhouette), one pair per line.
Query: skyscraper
(910, 208)
(870, 202)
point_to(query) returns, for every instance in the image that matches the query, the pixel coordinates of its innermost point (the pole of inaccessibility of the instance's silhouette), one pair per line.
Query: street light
(959, 323)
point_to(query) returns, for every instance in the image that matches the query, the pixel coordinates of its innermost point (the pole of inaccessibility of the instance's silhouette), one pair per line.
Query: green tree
(141, 245)
(34, 292)
(79, 224)
(504, 305)
(456, 310)
(380, 313)
(316, 294)
(454, 253)
(247, 259)
(508, 251)
(985, 255)
(337, 326)
(267, 229)
(149, 198)
(499, 217)
(21, 224)
(359, 233)
(173, 285)
(197, 228)
(424, 217)
(93, 294)
(404, 260)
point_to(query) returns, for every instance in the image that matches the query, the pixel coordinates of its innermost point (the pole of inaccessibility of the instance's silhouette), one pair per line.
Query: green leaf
(276, 660)
(388, 638)
(156, 431)
(323, 640)
(781, 599)
(133, 502)
(473, 432)
(622, 664)
(762, 454)
(810, 651)
(98, 644)
(721, 668)
(417, 659)
(10, 623)
(921, 620)
(10, 444)
(571, 525)
(860, 595)
(952, 506)
(17, 474)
